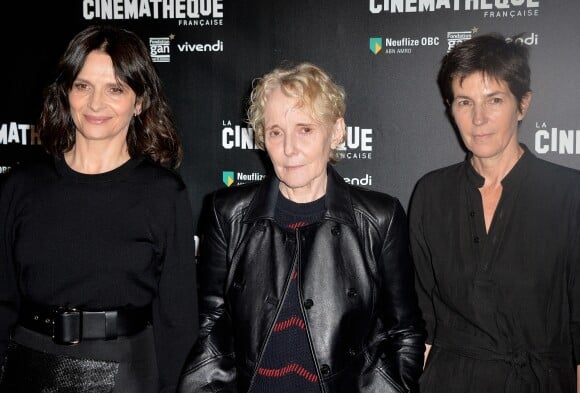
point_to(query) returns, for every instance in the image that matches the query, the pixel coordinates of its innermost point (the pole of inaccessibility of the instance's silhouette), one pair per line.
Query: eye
(80, 86)
(462, 103)
(117, 89)
(306, 130)
(495, 100)
(273, 133)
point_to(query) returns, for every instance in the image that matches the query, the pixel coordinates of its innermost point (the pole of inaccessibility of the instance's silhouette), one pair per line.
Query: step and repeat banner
(386, 53)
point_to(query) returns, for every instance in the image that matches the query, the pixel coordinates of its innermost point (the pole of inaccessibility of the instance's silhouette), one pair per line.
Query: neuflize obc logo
(228, 177)
(239, 178)
(375, 44)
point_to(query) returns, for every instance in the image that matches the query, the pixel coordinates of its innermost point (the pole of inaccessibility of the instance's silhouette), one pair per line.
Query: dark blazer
(356, 289)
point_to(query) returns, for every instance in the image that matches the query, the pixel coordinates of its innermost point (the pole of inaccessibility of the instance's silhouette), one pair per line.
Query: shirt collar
(517, 172)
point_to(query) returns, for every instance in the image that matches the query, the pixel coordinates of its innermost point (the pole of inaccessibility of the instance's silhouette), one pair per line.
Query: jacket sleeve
(404, 324)
(210, 365)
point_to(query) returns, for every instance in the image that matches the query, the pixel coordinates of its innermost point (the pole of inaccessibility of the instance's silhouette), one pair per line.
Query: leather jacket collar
(337, 197)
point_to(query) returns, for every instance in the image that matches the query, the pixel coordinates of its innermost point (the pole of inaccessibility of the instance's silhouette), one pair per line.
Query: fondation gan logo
(375, 44)
(457, 37)
(159, 49)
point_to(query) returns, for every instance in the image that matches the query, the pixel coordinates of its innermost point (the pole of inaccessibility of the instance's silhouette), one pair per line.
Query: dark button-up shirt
(506, 300)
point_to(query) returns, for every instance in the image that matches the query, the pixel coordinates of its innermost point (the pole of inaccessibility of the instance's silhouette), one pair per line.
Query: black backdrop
(385, 53)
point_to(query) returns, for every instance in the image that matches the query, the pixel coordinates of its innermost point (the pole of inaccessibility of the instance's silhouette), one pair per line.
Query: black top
(120, 239)
(292, 215)
(503, 307)
(287, 365)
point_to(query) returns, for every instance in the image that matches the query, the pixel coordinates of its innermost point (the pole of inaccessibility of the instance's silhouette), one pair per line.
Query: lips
(481, 136)
(96, 119)
(293, 167)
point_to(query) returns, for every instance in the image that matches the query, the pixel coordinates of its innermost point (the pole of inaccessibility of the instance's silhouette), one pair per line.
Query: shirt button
(351, 293)
(476, 239)
(472, 213)
(325, 369)
(308, 303)
(335, 231)
(238, 286)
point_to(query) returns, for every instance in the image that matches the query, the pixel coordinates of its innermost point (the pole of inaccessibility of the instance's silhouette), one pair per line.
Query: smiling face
(101, 106)
(299, 146)
(487, 115)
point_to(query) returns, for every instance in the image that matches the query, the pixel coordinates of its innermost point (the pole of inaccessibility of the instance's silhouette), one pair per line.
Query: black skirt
(35, 364)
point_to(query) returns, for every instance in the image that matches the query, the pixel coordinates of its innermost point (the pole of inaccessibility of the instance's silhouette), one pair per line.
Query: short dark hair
(498, 57)
(152, 133)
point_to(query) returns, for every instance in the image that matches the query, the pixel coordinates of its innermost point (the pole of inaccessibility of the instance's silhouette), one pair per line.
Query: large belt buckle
(67, 326)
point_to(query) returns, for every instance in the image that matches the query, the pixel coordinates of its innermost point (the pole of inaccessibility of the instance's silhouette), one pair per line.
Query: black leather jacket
(356, 287)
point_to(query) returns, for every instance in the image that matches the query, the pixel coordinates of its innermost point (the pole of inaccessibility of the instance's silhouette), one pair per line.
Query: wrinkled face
(299, 146)
(101, 106)
(487, 114)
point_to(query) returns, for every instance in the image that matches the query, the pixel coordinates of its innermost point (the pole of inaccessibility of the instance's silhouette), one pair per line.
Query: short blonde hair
(306, 82)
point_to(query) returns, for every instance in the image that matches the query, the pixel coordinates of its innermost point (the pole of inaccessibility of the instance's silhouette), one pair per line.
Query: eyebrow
(118, 82)
(267, 127)
(493, 93)
(305, 124)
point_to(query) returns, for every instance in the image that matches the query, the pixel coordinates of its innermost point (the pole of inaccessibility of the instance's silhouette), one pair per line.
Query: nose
(96, 100)
(289, 144)
(479, 114)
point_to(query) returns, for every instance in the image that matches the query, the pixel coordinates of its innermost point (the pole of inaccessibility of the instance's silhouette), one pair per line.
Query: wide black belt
(71, 326)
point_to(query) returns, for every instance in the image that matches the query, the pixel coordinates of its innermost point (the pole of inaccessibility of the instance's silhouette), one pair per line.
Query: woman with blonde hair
(306, 282)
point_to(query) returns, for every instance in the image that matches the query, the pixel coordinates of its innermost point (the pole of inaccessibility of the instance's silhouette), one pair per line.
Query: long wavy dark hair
(152, 133)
